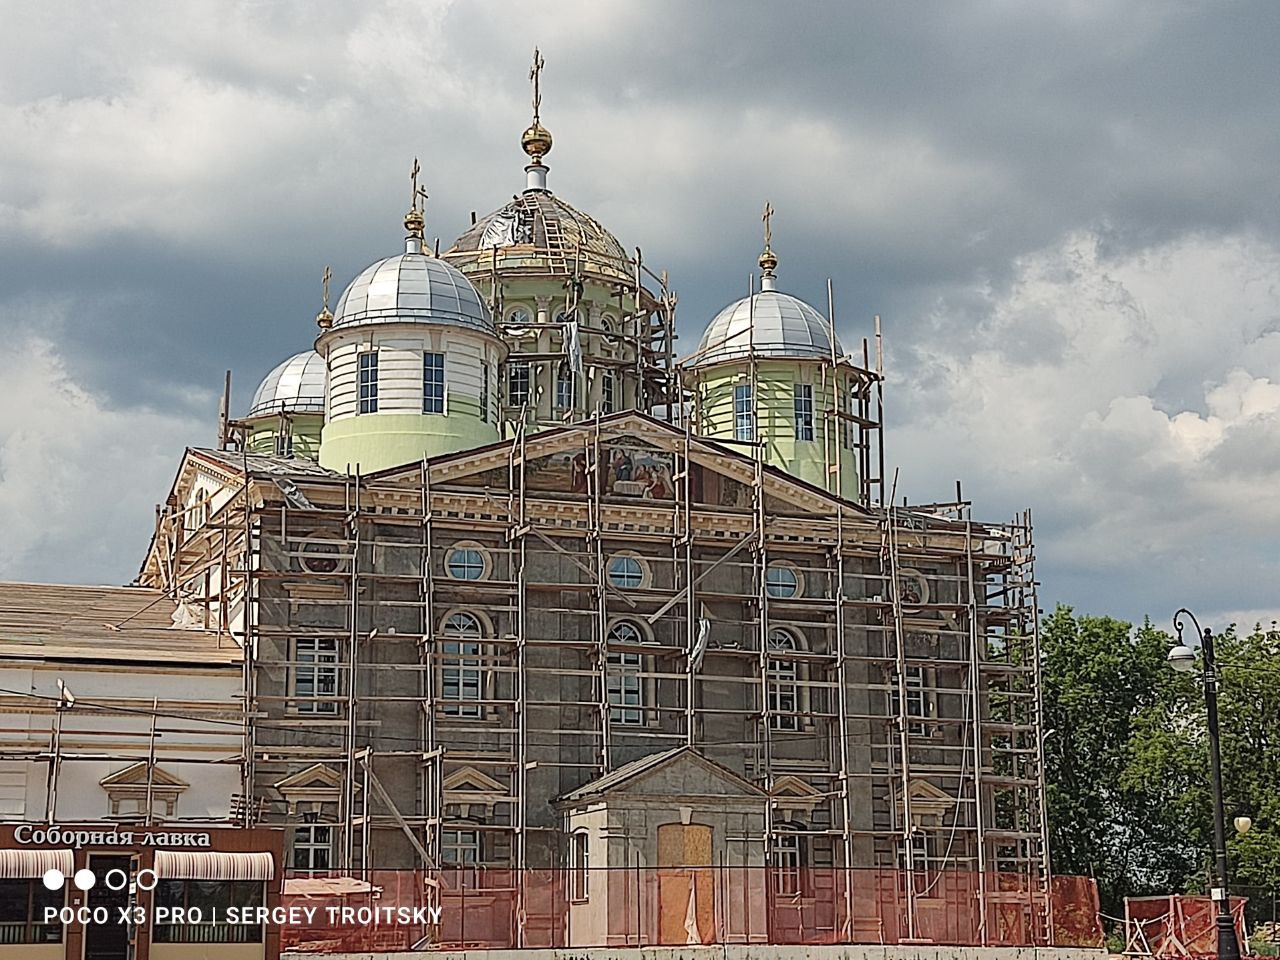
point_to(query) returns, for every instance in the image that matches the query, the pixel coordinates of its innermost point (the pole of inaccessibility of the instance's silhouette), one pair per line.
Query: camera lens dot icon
(54, 879)
(84, 879)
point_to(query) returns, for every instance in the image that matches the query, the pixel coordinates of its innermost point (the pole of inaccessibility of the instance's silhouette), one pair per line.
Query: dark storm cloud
(172, 183)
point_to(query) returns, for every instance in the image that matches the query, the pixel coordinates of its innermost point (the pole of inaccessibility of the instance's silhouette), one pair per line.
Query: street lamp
(1182, 659)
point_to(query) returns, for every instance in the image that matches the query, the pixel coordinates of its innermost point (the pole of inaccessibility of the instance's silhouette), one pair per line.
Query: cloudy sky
(1068, 214)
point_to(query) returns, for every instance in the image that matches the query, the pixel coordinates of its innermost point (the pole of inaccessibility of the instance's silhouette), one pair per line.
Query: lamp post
(1183, 659)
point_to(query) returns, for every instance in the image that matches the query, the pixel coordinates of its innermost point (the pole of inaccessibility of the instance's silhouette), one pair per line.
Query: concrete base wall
(736, 952)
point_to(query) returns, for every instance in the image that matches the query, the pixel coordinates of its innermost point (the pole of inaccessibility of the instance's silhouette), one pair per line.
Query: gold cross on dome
(535, 75)
(324, 282)
(413, 177)
(767, 217)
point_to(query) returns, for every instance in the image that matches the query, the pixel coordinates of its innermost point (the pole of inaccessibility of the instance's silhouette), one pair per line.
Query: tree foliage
(1126, 758)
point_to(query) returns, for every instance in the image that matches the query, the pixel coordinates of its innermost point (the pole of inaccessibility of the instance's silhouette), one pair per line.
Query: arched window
(627, 690)
(788, 859)
(784, 674)
(461, 676)
(564, 387)
(579, 863)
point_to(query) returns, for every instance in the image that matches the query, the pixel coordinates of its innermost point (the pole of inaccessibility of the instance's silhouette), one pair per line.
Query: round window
(321, 556)
(625, 571)
(781, 581)
(467, 561)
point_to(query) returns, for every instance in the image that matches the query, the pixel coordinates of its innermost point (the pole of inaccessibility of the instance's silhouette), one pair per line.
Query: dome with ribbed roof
(540, 233)
(414, 287)
(768, 324)
(294, 386)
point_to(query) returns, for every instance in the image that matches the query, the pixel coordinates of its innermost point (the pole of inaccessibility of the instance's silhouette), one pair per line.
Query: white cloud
(78, 477)
(1132, 400)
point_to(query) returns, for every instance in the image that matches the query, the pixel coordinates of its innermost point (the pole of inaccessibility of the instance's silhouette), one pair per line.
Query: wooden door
(686, 890)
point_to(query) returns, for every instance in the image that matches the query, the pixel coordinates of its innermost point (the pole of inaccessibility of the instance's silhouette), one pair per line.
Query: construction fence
(493, 908)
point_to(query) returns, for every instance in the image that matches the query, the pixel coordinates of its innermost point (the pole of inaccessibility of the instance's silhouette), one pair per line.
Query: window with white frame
(460, 848)
(433, 383)
(484, 393)
(781, 581)
(467, 561)
(626, 571)
(626, 688)
(918, 860)
(914, 682)
(579, 864)
(518, 383)
(744, 414)
(284, 442)
(788, 861)
(312, 846)
(315, 675)
(461, 683)
(368, 381)
(564, 387)
(784, 674)
(608, 401)
(804, 411)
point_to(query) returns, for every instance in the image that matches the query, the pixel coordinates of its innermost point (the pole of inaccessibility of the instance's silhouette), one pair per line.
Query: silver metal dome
(295, 386)
(784, 326)
(415, 287)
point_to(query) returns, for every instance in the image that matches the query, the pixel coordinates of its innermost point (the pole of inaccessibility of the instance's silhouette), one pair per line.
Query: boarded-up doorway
(686, 894)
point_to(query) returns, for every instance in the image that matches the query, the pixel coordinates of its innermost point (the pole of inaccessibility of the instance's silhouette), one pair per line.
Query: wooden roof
(54, 621)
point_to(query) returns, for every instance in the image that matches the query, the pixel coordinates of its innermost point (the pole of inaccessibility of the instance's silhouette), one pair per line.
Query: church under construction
(619, 643)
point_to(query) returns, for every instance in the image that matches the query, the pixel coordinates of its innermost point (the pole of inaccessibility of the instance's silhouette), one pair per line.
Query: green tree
(1103, 683)
(1127, 765)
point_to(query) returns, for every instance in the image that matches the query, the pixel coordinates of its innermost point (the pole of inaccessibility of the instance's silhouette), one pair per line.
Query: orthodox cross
(413, 178)
(324, 282)
(535, 74)
(767, 217)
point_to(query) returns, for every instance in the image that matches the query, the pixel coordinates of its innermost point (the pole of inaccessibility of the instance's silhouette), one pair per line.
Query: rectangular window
(484, 393)
(626, 690)
(608, 402)
(517, 383)
(369, 382)
(433, 383)
(579, 878)
(918, 861)
(312, 846)
(315, 675)
(849, 429)
(213, 898)
(22, 906)
(917, 704)
(284, 444)
(744, 414)
(461, 681)
(786, 868)
(564, 389)
(460, 848)
(804, 411)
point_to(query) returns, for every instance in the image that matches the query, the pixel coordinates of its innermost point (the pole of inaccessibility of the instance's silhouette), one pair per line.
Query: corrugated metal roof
(57, 621)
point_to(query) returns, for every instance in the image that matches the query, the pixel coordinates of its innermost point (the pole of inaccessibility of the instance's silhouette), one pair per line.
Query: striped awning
(208, 865)
(30, 864)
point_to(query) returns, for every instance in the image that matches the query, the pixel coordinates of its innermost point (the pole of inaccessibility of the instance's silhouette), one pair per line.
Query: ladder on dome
(551, 230)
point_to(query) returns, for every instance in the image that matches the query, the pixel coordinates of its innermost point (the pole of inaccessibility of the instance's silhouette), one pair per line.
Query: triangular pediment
(790, 786)
(469, 780)
(928, 800)
(672, 774)
(136, 775)
(639, 459)
(314, 777)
